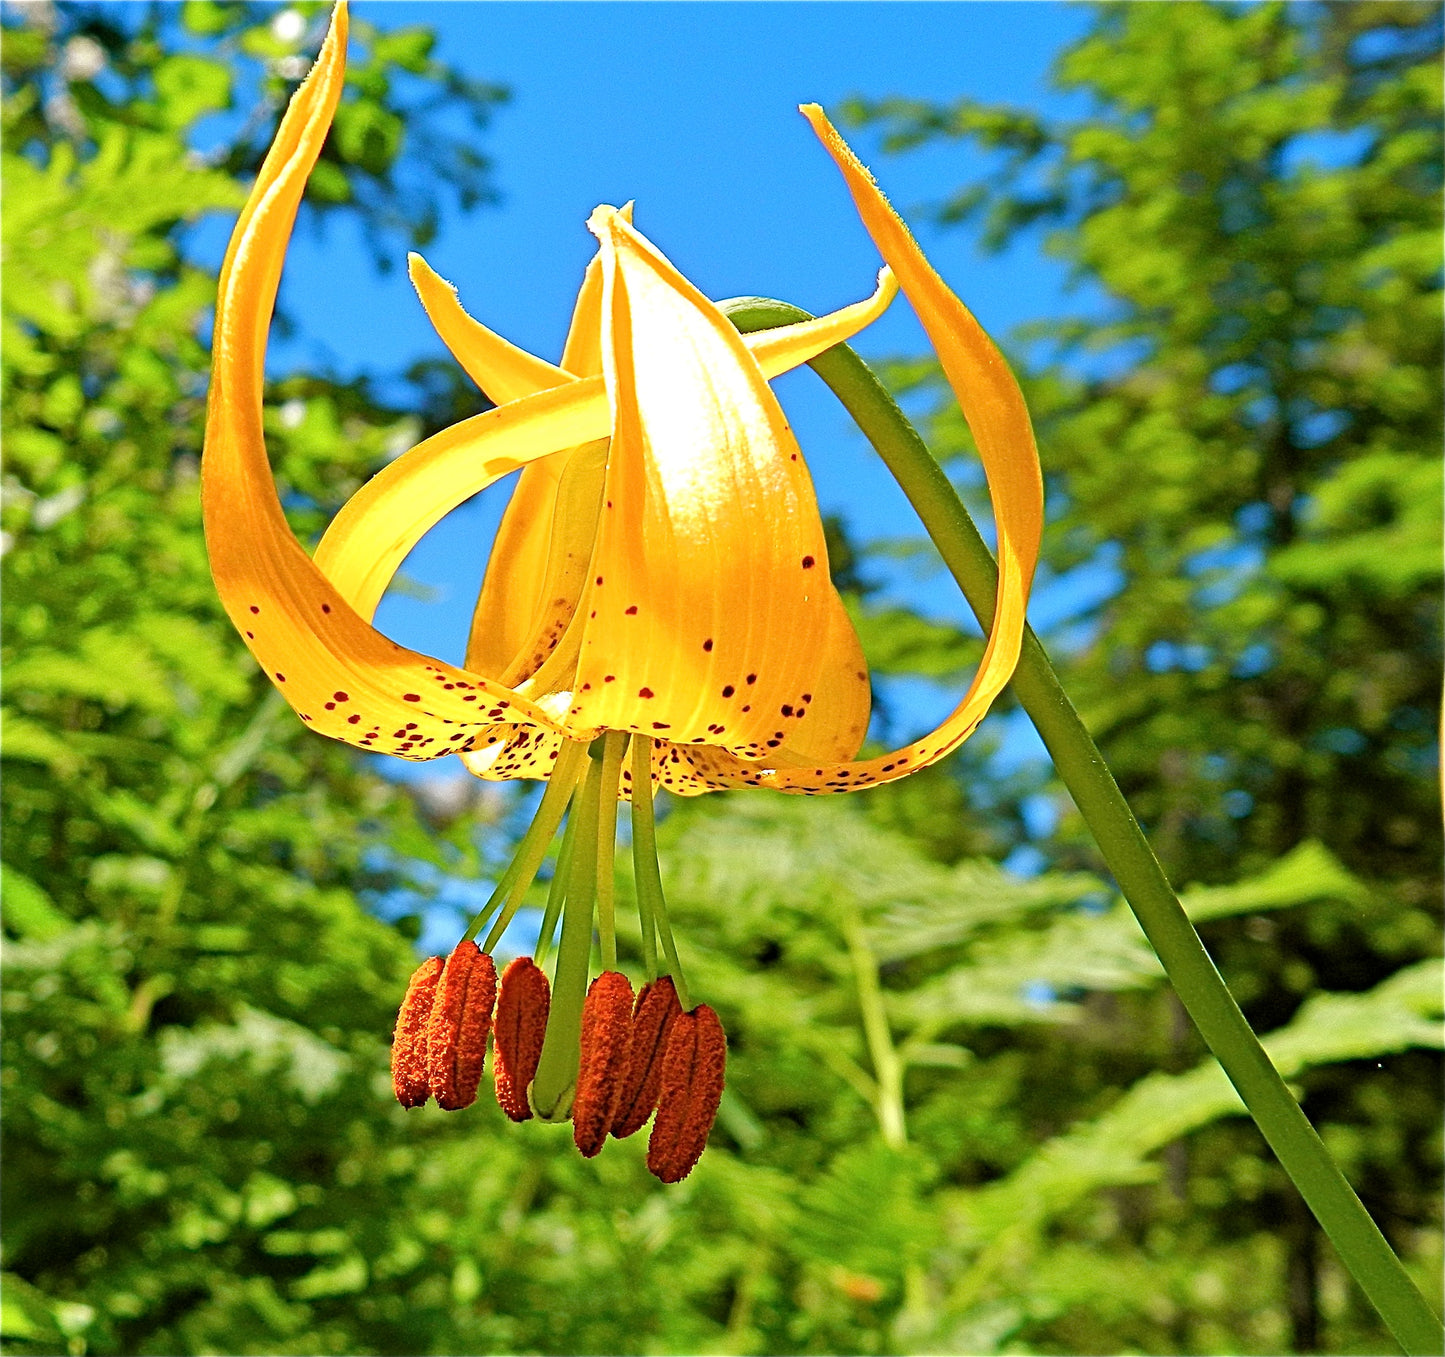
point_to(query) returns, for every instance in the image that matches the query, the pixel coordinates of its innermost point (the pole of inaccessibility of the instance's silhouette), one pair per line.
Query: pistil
(556, 1079)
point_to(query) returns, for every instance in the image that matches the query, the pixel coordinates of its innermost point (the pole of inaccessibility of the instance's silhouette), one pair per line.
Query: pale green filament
(537, 839)
(556, 1078)
(556, 893)
(651, 904)
(613, 748)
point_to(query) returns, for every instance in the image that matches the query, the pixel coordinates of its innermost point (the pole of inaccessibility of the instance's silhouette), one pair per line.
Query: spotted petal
(994, 408)
(709, 601)
(340, 675)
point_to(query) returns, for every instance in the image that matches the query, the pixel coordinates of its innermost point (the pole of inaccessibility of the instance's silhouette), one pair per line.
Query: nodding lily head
(658, 590)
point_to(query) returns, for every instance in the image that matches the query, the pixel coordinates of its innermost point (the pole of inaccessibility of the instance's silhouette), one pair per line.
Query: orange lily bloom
(660, 573)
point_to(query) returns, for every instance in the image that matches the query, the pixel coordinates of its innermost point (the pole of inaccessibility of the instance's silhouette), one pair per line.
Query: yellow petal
(577, 503)
(521, 594)
(371, 536)
(695, 624)
(994, 407)
(502, 370)
(345, 679)
(376, 528)
(788, 346)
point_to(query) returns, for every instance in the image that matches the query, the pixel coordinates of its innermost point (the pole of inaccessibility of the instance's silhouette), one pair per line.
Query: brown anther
(521, 1023)
(606, 1039)
(692, 1086)
(461, 1018)
(408, 1044)
(652, 1019)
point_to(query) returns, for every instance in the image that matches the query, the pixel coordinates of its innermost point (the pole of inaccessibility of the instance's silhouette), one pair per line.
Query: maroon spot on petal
(280, 678)
(660, 725)
(707, 645)
(340, 697)
(752, 678)
(609, 678)
(729, 690)
(632, 611)
(807, 562)
(353, 720)
(786, 709)
(254, 608)
(644, 692)
(411, 697)
(331, 706)
(250, 635)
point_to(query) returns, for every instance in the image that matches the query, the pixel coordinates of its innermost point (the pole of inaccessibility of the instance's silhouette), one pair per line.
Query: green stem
(613, 748)
(1203, 992)
(644, 860)
(556, 1078)
(887, 1067)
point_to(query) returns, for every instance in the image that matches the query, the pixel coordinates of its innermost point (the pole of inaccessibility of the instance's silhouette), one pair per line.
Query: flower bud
(606, 1039)
(652, 1019)
(461, 1018)
(692, 1086)
(408, 1044)
(521, 1023)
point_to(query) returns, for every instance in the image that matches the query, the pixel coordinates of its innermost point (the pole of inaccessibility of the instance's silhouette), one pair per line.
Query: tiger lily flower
(657, 612)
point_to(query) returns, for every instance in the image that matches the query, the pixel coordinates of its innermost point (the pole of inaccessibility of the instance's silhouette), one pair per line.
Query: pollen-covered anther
(652, 1019)
(522, 1007)
(692, 1086)
(606, 1043)
(408, 1044)
(461, 1018)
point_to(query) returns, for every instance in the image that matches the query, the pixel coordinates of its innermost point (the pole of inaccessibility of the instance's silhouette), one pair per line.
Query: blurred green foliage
(964, 1113)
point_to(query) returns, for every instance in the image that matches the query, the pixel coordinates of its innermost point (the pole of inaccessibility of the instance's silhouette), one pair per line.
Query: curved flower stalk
(657, 611)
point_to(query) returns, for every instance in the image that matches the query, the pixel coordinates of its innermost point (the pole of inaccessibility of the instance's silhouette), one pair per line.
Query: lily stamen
(520, 1024)
(690, 1095)
(460, 1022)
(652, 1018)
(408, 1044)
(605, 1050)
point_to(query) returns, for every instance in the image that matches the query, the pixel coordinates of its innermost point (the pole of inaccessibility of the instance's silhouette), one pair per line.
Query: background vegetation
(964, 1112)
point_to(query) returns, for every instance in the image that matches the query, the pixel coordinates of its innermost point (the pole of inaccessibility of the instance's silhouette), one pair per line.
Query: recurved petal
(502, 370)
(344, 678)
(784, 348)
(994, 407)
(376, 528)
